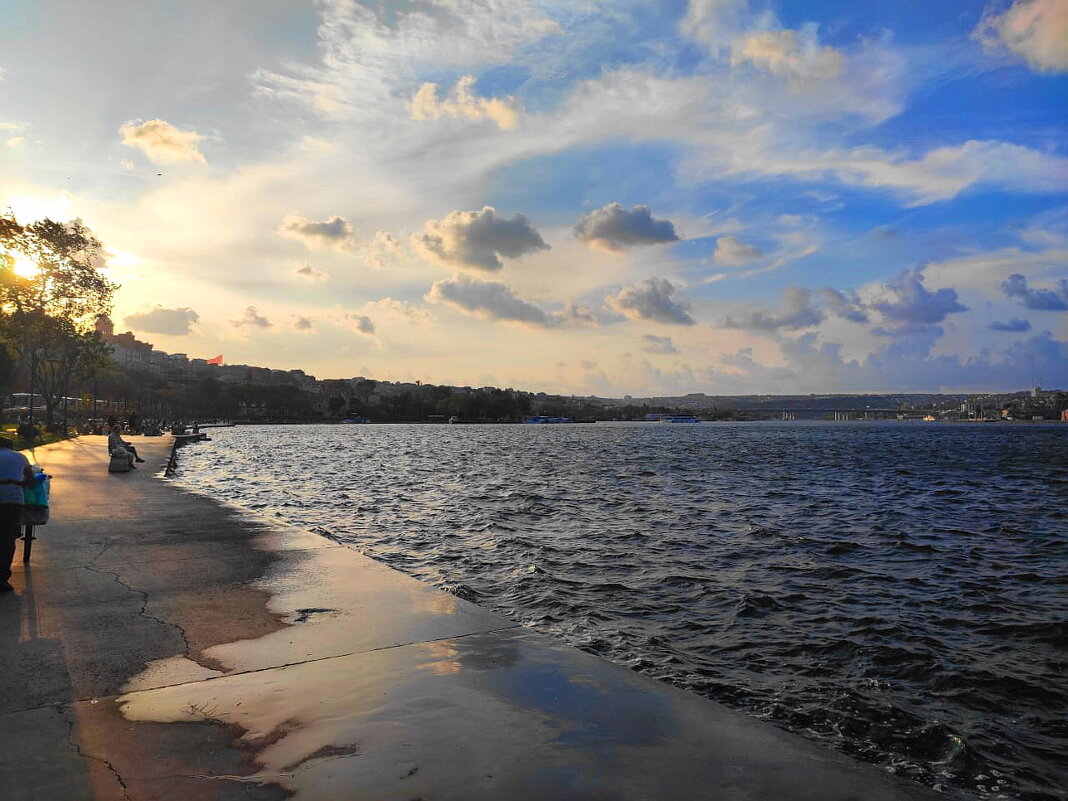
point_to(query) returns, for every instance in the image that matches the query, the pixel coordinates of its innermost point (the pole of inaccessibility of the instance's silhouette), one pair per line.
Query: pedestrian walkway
(164, 646)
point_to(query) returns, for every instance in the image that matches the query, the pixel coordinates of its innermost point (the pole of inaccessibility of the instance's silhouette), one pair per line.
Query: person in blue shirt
(15, 474)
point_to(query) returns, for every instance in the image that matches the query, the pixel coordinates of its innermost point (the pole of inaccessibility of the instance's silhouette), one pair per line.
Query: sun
(25, 268)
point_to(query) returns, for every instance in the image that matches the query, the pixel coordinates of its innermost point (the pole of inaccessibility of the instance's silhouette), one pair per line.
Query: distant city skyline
(138, 357)
(636, 198)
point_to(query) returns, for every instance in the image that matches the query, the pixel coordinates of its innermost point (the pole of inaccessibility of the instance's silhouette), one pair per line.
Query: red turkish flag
(216, 360)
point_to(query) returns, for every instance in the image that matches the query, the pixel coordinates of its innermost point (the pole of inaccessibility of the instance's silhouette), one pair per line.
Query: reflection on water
(891, 589)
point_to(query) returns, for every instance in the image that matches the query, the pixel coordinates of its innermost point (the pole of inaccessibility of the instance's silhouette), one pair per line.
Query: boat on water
(679, 418)
(356, 420)
(543, 419)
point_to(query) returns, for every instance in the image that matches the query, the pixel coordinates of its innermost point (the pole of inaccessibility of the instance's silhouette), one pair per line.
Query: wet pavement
(161, 645)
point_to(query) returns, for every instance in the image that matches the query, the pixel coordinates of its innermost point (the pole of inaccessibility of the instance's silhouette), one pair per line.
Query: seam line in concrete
(324, 659)
(256, 670)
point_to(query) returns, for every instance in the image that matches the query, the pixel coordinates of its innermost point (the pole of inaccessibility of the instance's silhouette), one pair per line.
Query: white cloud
(733, 252)
(369, 62)
(16, 141)
(173, 322)
(1014, 326)
(714, 22)
(940, 174)
(907, 301)
(576, 313)
(907, 364)
(651, 299)
(251, 319)
(162, 142)
(945, 172)
(360, 324)
(1038, 299)
(781, 138)
(798, 311)
(903, 302)
(334, 233)
(307, 272)
(988, 269)
(462, 103)
(655, 344)
(478, 239)
(401, 310)
(798, 58)
(1034, 29)
(845, 305)
(379, 250)
(614, 228)
(490, 300)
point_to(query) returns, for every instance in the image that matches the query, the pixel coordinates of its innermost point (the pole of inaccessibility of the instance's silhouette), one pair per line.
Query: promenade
(161, 645)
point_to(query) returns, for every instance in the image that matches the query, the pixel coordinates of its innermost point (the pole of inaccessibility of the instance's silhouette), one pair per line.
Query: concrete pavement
(161, 645)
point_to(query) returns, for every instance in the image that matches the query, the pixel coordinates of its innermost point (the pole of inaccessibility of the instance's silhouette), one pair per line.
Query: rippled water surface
(896, 591)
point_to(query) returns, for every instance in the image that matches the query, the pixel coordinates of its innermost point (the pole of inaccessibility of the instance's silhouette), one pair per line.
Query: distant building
(126, 349)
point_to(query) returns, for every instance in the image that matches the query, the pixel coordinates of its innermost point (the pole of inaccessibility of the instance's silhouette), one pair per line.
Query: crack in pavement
(84, 755)
(107, 547)
(142, 612)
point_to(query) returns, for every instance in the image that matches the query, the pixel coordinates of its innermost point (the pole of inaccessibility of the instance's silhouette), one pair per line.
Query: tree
(8, 366)
(47, 317)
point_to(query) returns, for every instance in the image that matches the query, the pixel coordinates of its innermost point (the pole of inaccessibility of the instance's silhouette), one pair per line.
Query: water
(895, 591)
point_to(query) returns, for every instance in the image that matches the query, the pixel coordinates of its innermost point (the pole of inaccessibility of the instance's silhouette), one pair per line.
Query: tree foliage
(47, 318)
(68, 283)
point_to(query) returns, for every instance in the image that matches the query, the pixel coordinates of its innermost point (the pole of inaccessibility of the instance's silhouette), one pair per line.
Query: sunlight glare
(32, 208)
(122, 258)
(24, 267)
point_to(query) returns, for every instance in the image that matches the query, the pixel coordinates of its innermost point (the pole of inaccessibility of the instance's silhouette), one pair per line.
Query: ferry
(679, 418)
(542, 419)
(356, 420)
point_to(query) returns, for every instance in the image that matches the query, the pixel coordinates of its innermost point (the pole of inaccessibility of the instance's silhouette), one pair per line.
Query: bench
(119, 462)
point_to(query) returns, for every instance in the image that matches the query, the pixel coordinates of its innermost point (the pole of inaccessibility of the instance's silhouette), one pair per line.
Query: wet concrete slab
(163, 645)
(502, 715)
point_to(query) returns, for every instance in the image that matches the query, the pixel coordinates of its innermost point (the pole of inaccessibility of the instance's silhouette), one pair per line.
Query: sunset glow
(656, 198)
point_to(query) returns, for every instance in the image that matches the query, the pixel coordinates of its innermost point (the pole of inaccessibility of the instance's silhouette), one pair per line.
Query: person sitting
(117, 443)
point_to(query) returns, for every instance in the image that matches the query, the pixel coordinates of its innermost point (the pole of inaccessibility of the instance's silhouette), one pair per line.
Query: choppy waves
(896, 591)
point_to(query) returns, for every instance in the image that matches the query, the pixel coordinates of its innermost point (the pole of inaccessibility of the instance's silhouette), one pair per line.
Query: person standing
(28, 433)
(15, 474)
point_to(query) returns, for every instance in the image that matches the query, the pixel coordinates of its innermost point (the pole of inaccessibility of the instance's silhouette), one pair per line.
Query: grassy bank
(46, 438)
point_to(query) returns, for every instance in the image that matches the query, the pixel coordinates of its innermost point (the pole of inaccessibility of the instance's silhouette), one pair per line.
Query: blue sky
(583, 197)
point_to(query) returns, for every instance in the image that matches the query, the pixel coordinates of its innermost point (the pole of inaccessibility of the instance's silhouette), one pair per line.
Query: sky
(610, 197)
